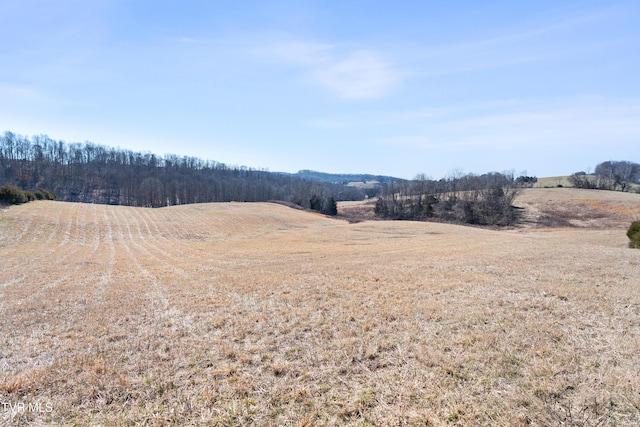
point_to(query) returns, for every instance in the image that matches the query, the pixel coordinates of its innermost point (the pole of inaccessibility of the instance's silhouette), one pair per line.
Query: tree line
(87, 172)
(609, 175)
(473, 199)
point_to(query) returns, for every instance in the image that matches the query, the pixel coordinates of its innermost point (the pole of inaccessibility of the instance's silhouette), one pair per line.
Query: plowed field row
(258, 314)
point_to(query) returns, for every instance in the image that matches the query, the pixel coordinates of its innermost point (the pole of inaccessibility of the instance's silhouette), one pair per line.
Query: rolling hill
(258, 314)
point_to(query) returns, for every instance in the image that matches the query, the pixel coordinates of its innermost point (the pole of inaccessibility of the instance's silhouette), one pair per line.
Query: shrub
(381, 208)
(315, 203)
(13, 195)
(634, 229)
(43, 194)
(326, 206)
(635, 241)
(330, 207)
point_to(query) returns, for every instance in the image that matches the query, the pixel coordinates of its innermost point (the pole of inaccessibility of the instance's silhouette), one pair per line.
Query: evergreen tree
(330, 207)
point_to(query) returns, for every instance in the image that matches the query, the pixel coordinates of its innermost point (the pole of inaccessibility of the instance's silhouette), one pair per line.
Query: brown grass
(257, 314)
(564, 181)
(553, 181)
(571, 207)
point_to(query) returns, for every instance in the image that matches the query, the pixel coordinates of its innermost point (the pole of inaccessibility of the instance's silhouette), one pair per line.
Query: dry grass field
(553, 181)
(258, 314)
(564, 181)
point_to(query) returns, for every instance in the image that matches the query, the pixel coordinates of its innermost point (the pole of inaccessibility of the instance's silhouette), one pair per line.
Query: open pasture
(258, 314)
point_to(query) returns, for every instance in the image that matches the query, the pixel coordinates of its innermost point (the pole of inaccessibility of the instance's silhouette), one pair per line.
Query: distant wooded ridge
(344, 178)
(87, 172)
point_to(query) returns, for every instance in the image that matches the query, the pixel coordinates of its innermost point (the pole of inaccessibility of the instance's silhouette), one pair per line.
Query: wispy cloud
(355, 74)
(362, 75)
(578, 123)
(303, 53)
(12, 93)
(511, 46)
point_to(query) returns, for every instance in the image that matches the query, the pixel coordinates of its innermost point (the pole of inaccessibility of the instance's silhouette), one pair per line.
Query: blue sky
(396, 88)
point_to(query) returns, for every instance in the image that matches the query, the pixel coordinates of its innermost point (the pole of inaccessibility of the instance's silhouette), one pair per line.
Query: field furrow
(11, 236)
(37, 260)
(257, 314)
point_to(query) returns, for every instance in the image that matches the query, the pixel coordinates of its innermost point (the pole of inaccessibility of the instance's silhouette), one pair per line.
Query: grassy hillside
(574, 207)
(257, 314)
(563, 181)
(553, 181)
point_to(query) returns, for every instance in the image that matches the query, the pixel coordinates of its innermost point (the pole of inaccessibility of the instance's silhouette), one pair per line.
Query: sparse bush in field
(633, 233)
(13, 195)
(634, 229)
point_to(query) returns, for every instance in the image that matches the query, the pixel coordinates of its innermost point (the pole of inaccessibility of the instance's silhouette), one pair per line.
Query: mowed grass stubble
(239, 314)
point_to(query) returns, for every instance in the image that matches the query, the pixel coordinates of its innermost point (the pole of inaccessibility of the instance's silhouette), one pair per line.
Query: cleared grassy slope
(564, 181)
(553, 181)
(574, 207)
(237, 314)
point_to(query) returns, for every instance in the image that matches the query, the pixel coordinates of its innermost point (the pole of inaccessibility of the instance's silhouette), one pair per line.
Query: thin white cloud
(409, 141)
(358, 74)
(513, 46)
(578, 124)
(18, 93)
(409, 117)
(363, 75)
(303, 53)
